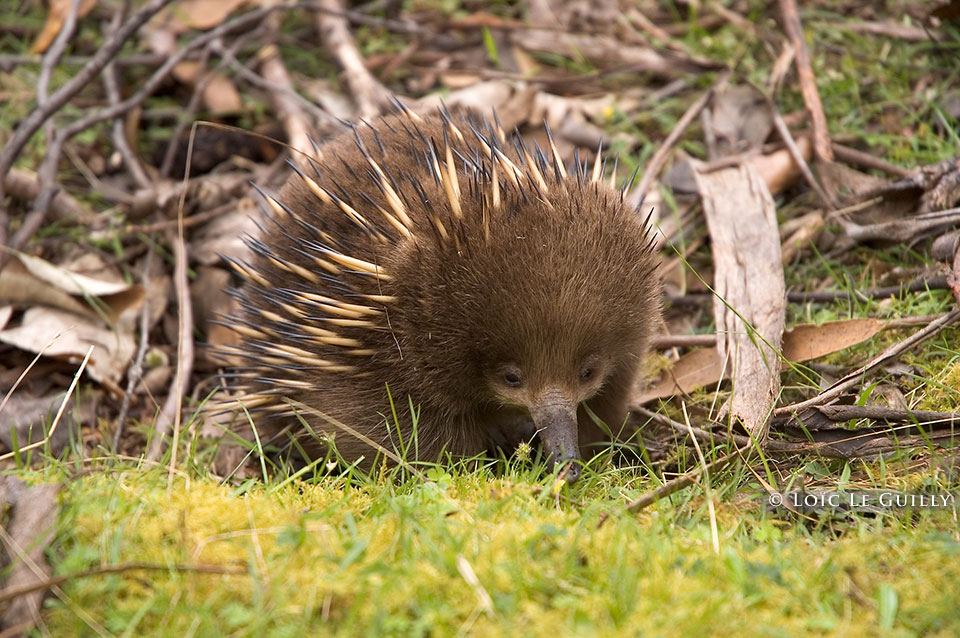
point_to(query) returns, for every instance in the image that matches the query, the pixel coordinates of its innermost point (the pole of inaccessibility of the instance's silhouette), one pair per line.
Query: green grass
(364, 557)
(357, 556)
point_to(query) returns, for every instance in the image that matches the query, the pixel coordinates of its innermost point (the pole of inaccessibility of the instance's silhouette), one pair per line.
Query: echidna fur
(439, 265)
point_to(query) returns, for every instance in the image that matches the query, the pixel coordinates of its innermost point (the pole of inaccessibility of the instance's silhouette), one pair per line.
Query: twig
(662, 342)
(47, 170)
(15, 592)
(675, 485)
(852, 378)
(32, 123)
(275, 83)
(797, 154)
(135, 372)
(119, 134)
(839, 413)
(25, 186)
(185, 117)
(170, 414)
(808, 85)
(920, 284)
(370, 96)
(866, 160)
(652, 169)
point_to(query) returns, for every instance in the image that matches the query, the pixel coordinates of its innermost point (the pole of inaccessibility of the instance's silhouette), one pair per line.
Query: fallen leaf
(804, 342)
(71, 336)
(28, 281)
(219, 93)
(59, 10)
(807, 341)
(201, 14)
(30, 527)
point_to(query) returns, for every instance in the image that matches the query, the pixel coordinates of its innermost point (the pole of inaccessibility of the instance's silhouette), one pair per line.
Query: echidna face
(524, 383)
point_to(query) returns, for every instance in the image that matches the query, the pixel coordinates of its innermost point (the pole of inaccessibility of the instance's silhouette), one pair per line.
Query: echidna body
(437, 263)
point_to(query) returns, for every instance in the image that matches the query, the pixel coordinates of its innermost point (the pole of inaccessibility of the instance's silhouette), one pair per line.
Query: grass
(498, 549)
(357, 556)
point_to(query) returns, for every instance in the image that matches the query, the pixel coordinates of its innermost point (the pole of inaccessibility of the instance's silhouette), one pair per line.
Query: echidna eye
(587, 373)
(512, 378)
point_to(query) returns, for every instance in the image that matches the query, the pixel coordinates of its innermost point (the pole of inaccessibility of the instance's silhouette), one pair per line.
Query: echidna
(437, 266)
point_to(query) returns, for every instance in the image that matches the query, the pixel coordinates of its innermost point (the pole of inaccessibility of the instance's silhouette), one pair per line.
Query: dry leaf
(201, 14)
(703, 367)
(30, 527)
(807, 341)
(219, 93)
(29, 280)
(71, 336)
(59, 10)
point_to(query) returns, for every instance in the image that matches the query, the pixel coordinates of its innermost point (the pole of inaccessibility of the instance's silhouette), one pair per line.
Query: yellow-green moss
(330, 559)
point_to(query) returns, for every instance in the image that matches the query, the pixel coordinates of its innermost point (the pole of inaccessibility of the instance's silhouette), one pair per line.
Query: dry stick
(675, 485)
(169, 224)
(370, 96)
(13, 592)
(278, 84)
(32, 123)
(170, 416)
(652, 169)
(953, 278)
(852, 378)
(662, 342)
(50, 61)
(25, 186)
(45, 177)
(808, 85)
(920, 284)
(186, 115)
(859, 158)
(37, 214)
(135, 371)
(840, 413)
(56, 419)
(286, 106)
(784, 131)
(112, 86)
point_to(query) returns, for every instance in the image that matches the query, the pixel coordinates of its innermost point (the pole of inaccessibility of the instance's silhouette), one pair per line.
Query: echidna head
(543, 313)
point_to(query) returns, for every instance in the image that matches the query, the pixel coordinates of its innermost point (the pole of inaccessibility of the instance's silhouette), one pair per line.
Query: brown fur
(565, 276)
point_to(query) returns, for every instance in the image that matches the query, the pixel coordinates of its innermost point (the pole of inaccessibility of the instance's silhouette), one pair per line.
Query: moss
(335, 559)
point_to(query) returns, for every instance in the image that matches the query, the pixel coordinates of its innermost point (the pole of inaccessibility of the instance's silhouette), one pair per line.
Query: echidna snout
(441, 289)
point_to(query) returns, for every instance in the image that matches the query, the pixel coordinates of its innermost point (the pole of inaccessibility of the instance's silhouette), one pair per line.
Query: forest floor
(843, 522)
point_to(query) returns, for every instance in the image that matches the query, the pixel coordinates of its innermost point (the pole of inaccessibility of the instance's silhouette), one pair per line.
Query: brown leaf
(695, 369)
(59, 10)
(29, 281)
(219, 93)
(807, 341)
(67, 335)
(29, 530)
(203, 14)
(703, 367)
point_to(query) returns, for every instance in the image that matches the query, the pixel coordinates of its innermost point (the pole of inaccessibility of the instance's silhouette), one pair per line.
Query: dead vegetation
(134, 131)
